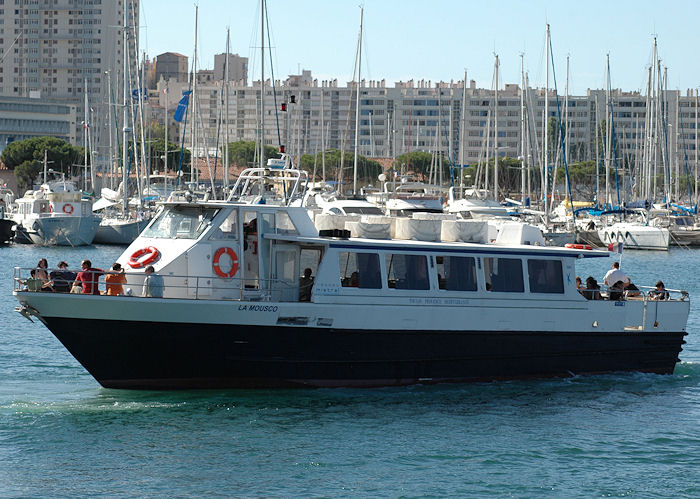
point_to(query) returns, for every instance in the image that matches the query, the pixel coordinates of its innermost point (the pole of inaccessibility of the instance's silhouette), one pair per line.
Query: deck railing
(241, 288)
(174, 286)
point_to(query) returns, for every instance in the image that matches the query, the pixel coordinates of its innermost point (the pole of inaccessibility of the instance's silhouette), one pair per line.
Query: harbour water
(618, 435)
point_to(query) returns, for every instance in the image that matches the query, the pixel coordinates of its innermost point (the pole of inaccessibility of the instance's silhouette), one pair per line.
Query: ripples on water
(616, 435)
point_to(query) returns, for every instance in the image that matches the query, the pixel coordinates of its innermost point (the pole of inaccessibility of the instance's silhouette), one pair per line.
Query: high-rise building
(237, 70)
(60, 49)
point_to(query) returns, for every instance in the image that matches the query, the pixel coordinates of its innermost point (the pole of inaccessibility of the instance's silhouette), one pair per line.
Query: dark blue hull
(139, 355)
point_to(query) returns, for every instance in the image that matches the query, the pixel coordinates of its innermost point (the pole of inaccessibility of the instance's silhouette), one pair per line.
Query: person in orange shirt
(114, 280)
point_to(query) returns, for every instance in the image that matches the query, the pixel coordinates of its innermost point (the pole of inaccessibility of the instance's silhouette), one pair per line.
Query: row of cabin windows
(454, 273)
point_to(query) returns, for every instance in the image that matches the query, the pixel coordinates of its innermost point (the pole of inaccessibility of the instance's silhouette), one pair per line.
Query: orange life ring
(234, 262)
(137, 260)
(68, 209)
(578, 246)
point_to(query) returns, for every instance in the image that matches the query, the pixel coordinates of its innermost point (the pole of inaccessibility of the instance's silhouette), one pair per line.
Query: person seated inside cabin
(660, 292)
(62, 278)
(354, 280)
(579, 284)
(592, 291)
(616, 291)
(631, 291)
(305, 284)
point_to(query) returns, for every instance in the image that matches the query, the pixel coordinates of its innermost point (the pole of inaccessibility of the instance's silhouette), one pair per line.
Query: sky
(440, 39)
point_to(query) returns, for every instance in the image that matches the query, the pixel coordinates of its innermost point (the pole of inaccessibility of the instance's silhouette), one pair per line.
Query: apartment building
(60, 49)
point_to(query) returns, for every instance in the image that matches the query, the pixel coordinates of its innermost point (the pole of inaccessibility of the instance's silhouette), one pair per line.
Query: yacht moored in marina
(57, 214)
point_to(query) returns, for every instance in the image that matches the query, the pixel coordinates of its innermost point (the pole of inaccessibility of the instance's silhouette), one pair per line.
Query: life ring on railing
(578, 246)
(137, 260)
(68, 209)
(234, 262)
(50, 208)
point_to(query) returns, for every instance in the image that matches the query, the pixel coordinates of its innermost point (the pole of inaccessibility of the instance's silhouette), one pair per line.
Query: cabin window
(504, 275)
(545, 276)
(407, 271)
(181, 222)
(359, 270)
(228, 228)
(284, 224)
(456, 273)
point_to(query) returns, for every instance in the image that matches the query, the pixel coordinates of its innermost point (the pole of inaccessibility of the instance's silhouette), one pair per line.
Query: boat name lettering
(438, 301)
(258, 308)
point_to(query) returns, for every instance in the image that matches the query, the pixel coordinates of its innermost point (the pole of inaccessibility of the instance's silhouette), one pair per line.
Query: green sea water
(619, 435)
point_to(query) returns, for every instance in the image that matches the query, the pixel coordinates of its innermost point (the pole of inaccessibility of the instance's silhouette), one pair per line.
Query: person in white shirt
(614, 275)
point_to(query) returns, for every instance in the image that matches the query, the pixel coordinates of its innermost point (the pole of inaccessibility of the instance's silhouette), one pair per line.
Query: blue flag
(182, 106)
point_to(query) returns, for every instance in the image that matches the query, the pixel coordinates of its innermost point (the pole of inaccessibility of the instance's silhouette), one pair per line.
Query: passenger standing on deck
(614, 275)
(89, 277)
(153, 284)
(114, 280)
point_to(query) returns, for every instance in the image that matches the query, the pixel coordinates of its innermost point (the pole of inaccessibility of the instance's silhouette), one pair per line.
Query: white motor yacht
(56, 213)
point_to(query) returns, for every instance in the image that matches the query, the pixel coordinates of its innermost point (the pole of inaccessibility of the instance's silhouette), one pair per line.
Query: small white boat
(55, 214)
(635, 235)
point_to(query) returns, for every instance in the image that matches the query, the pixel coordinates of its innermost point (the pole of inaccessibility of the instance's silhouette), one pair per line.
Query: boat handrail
(183, 287)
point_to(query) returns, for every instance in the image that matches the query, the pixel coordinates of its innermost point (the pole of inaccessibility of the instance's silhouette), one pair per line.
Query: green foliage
(59, 152)
(158, 151)
(367, 169)
(242, 153)
(27, 172)
(419, 162)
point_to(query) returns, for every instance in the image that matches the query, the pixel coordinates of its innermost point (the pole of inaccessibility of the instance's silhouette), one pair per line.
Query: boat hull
(636, 236)
(119, 231)
(166, 355)
(60, 230)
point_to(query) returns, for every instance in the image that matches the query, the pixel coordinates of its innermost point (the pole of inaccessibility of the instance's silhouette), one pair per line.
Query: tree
(59, 152)
(419, 162)
(27, 172)
(367, 169)
(24, 155)
(242, 153)
(158, 151)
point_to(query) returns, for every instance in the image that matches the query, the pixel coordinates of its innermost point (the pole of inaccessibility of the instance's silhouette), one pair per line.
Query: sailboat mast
(522, 129)
(608, 129)
(461, 135)
(194, 176)
(226, 96)
(357, 104)
(495, 133)
(85, 134)
(125, 126)
(545, 162)
(109, 127)
(323, 138)
(165, 153)
(262, 84)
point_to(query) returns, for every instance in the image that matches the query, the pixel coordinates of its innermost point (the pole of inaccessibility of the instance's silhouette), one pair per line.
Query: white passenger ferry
(375, 312)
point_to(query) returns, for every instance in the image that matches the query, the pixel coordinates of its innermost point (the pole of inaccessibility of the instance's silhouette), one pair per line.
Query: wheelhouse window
(545, 276)
(359, 270)
(228, 228)
(504, 275)
(181, 222)
(363, 210)
(456, 273)
(407, 271)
